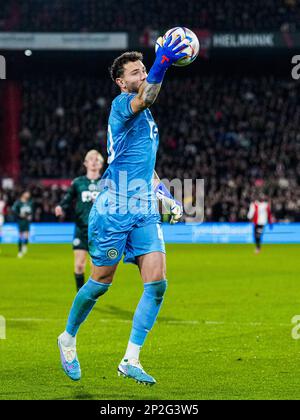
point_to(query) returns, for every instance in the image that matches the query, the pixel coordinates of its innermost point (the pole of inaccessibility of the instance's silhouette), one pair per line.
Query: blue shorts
(112, 235)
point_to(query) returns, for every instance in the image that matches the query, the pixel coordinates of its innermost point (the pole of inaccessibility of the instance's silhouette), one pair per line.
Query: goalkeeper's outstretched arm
(166, 55)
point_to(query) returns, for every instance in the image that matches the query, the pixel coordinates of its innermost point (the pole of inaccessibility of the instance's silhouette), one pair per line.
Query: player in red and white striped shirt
(260, 214)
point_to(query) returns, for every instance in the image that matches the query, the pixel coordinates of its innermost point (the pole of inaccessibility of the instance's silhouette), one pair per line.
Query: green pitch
(224, 331)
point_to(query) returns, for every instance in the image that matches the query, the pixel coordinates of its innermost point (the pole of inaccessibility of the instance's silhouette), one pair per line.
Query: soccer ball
(188, 37)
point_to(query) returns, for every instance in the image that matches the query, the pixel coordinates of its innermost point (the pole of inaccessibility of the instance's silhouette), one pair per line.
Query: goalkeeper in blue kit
(124, 219)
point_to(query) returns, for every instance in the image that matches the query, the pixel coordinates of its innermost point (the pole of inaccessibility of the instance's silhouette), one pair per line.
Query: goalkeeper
(124, 219)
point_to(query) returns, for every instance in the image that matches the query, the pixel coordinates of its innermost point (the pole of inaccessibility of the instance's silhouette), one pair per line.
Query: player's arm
(169, 202)
(66, 202)
(16, 209)
(166, 55)
(29, 216)
(146, 96)
(251, 211)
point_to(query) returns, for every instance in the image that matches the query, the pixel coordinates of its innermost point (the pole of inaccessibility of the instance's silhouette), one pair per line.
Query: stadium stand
(237, 133)
(129, 15)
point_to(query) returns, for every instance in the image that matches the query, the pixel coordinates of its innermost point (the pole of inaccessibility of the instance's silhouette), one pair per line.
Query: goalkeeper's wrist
(162, 192)
(158, 70)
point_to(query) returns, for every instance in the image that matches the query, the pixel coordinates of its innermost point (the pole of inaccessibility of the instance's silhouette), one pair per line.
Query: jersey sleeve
(67, 200)
(122, 106)
(16, 208)
(30, 215)
(251, 211)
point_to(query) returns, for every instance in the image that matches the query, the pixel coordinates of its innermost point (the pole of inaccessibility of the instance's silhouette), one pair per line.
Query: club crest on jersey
(92, 187)
(112, 253)
(76, 242)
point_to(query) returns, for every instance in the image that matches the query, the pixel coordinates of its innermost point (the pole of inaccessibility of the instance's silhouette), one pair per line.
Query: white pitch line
(183, 322)
(105, 321)
(171, 322)
(248, 324)
(27, 319)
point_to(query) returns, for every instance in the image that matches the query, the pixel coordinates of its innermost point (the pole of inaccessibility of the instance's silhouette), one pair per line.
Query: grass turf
(224, 331)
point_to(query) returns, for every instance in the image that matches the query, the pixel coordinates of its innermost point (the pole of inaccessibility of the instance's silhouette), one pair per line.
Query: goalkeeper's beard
(134, 87)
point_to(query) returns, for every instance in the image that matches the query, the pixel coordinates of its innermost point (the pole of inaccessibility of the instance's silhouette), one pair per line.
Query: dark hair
(24, 192)
(117, 68)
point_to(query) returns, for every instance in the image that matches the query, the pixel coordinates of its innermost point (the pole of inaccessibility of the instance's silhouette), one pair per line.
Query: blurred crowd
(44, 199)
(134, 15)
(62, 119)
(239, 134)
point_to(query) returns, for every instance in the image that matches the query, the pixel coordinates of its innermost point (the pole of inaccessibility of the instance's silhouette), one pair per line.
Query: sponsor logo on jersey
(89, 196)
(25, 211)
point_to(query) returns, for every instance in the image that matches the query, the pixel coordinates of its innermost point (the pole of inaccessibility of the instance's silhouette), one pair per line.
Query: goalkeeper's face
(133, 76)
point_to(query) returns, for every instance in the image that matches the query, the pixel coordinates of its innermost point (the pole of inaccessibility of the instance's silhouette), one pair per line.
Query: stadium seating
(129, 15)
(236, 133)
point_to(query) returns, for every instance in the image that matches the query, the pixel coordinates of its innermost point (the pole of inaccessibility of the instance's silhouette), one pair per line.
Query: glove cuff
(162, 192)
(158, 69)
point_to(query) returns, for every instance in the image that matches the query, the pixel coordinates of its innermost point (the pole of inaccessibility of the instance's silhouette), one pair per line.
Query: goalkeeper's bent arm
(166, 55)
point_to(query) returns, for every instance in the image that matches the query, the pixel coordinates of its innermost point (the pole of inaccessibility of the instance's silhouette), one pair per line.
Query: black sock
(20, 245)
(79, 280)
(25, 241)
(258, 235)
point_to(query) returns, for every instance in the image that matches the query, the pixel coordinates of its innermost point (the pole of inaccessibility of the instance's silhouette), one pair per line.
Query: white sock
(133, 351)
(67, 339)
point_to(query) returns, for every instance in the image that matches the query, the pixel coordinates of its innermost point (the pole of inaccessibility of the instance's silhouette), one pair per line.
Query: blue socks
(147, 311)
(144, 317)
(84, 303)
